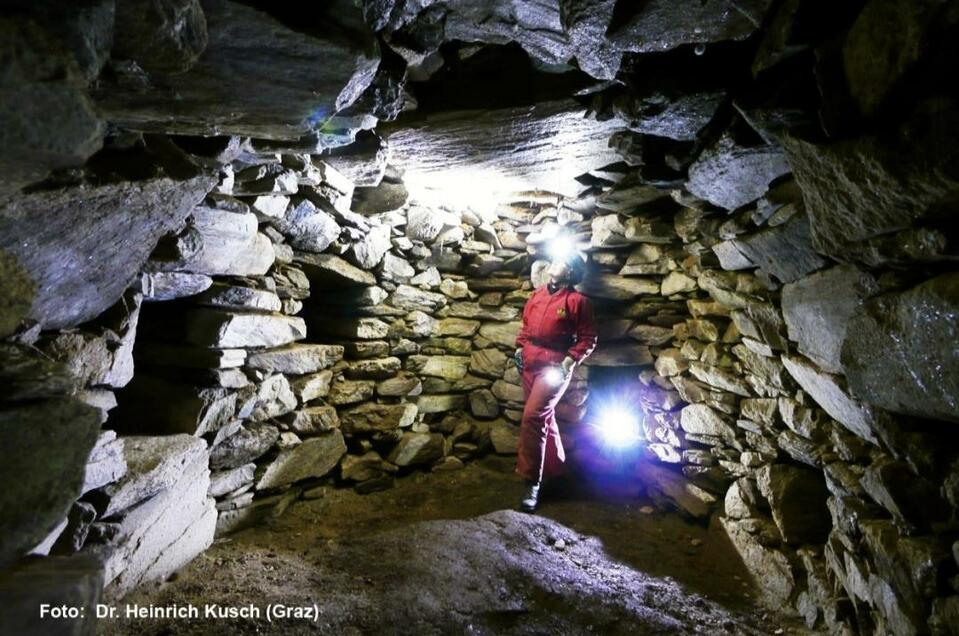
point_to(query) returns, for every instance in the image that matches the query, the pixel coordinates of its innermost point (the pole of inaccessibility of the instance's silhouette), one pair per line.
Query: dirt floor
(445, 553)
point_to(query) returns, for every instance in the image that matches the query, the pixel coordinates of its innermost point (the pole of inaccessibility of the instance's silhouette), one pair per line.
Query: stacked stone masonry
(210, 315)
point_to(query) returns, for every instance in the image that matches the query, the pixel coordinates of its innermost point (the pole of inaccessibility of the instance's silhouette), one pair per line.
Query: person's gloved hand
(567, 365)
(518, 356)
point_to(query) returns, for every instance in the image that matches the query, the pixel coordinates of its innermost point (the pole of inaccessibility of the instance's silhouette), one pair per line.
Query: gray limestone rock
(730, 176)
(443, 146)
(371, 417)
(440, 403)
(164, 36)
(700, 419)
(858, 189)
(313, 420)
(154, 464)
(899, 350)
(251, 441)
(308, 228)
(213, 96)
(115, 226)
(216, 328)
(373, 368)
(661, 24)
(295, 359)
(410, 298)
(364, 467)
(161, 534)
(767, 565)
(418, 448)
(226, 481)
(784, 251)
(830, 393)
(160, 286)
(817, 310)
(42, 83)
(229, 244)
(315, 457)
(35, 501)
(328, 271)
(106, 464)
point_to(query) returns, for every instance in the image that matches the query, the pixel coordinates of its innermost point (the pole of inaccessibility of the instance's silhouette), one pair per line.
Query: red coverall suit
(554, 326)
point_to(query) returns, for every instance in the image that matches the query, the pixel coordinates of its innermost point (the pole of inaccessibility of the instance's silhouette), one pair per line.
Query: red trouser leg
(540, 452)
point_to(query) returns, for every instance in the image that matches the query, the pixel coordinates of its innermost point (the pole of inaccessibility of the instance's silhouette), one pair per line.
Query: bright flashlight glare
(561, 246)
(619, 426)
(553, 376)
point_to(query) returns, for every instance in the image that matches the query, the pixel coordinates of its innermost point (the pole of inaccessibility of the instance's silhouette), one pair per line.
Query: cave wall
(200, 330)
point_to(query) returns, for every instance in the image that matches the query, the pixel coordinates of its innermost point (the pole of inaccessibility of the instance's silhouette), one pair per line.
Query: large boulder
(661, 25)
(817, 310)
(42, 83)
(858, 189)
(783, 251)
(47, 444)
(293, 93)
(153, 464)
(899, 350)
(114, 226)
(730, 175)
(161, 534)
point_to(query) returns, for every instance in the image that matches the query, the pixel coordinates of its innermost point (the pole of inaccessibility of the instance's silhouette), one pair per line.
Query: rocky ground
(444, 553)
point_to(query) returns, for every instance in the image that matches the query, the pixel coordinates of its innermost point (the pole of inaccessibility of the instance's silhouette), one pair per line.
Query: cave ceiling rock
(555, 33)
(471, 155)
(256, 77)
(877, 60)
(114, 226)
(41, 83)
(856, 190)
(416, 28)
(730, 175)
(163, 36)
(660, 25)
(671, 113)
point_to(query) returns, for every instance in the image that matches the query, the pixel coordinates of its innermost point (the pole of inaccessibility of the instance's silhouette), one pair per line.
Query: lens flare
(619, 426)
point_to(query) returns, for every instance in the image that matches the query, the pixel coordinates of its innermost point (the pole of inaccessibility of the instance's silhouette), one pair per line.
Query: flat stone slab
(315, 457)
(296, 359)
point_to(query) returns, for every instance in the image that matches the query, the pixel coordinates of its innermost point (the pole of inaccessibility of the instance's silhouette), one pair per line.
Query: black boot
(531, 498)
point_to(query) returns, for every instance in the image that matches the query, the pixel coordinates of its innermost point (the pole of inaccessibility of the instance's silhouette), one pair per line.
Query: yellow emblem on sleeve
(561, 312)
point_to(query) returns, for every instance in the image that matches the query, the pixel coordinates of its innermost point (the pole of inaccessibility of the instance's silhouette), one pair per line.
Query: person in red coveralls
(558, 332)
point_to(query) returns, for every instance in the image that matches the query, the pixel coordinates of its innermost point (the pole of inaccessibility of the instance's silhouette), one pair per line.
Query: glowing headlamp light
(561, 246)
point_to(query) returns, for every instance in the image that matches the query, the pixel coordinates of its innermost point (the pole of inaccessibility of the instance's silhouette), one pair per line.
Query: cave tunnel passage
(263, 272)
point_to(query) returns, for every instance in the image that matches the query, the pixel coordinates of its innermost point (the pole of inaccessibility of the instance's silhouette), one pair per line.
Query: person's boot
(531, 498)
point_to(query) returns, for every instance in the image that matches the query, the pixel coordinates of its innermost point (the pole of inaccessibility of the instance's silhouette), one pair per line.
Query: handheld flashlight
(619, 426)
(554, 376)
